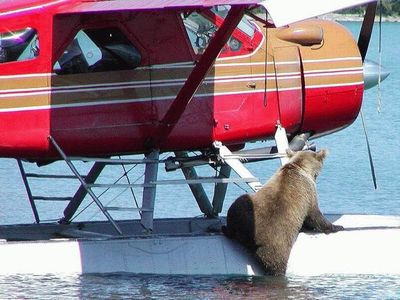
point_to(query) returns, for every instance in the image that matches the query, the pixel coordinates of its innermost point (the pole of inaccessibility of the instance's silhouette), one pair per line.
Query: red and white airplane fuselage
(103, 82)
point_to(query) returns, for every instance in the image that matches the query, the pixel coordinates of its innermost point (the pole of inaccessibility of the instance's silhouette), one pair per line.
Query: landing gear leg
(149, 190)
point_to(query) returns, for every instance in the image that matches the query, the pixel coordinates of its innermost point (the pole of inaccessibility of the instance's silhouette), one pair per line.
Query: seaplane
(117, 83)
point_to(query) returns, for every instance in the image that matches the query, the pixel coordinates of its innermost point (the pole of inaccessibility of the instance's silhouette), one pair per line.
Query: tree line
(388, 7)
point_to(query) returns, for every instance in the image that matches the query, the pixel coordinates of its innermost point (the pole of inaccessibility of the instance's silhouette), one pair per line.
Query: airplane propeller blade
(363, 43)
(366, 29)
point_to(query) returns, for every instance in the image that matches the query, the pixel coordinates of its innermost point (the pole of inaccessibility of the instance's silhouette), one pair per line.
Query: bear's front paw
(338, 228)
(333, 228)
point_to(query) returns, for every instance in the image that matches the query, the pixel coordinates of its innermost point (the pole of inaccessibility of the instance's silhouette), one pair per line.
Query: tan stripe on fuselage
(227, 76)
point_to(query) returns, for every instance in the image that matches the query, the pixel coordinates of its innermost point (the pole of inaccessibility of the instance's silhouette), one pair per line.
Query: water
(126, 286)
(345, 186)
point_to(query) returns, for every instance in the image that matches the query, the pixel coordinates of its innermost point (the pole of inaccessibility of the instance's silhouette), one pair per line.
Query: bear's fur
(269, 221)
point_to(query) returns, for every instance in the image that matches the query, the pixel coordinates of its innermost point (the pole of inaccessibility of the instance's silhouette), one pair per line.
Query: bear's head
(310, 161)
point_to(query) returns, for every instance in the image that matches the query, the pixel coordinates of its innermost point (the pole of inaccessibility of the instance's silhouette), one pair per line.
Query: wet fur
(269, 221)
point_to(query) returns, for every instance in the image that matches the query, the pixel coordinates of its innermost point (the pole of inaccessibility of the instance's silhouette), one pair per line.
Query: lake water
(345, 186)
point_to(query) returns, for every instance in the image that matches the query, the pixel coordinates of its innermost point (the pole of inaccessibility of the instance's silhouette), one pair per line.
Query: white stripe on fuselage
(178, 82)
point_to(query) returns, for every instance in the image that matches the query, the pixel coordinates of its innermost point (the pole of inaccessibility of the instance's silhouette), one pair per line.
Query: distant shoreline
(356, 18)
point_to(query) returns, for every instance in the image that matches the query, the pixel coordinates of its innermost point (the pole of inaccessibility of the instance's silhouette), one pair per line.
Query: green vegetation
(389, 8)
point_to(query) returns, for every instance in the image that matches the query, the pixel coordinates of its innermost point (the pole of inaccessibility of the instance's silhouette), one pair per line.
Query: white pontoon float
(368, 245)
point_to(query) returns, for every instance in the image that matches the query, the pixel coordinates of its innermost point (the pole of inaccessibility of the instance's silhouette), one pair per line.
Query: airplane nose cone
(371, 74)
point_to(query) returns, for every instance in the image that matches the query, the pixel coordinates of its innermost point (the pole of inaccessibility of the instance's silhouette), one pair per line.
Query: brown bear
(269, 221)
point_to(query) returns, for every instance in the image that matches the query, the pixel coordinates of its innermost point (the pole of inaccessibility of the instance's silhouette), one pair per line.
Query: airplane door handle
(251, 85)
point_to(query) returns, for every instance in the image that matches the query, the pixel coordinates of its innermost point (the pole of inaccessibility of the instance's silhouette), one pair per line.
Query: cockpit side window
(19, 45)
(98, 50)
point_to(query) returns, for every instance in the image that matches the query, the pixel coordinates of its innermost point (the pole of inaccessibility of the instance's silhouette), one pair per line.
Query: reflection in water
(126, 286)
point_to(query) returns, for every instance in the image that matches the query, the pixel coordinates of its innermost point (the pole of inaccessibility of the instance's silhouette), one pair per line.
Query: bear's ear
(290, 153)
(321, 154)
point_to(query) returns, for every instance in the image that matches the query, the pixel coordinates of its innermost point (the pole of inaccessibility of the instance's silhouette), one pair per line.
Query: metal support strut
(235, 163)
(81, 193)
(282, 143)
(149, 190)
(221, 184)
(85, 185)
(28, 190)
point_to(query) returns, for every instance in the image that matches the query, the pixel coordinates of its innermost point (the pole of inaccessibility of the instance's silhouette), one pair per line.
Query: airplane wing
(284, 12)
(117, 5)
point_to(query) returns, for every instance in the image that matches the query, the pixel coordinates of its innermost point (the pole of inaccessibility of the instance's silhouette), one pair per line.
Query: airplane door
(101, 90)
(289, 86)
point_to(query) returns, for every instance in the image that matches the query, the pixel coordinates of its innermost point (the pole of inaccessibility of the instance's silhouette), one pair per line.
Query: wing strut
(197, 75)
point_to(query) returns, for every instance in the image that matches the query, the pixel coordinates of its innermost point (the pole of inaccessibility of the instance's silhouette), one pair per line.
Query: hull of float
(206, 255)
(369, 245)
